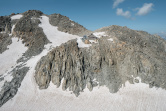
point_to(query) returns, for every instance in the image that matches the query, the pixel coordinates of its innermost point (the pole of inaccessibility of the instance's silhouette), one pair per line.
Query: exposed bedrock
(109, 63)
(10, 89)
(5, 24)
(64, 24)
(27, 28)
(5, 40)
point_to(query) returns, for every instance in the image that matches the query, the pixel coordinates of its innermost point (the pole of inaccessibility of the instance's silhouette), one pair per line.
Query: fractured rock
(111, 63)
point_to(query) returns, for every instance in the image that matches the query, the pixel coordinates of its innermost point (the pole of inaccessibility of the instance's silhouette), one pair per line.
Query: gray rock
(32, 35)
(131, 54)
(64, 24)
(9, 89)
(5, 24)
(5, 40)
(1, 79)
(136, 80)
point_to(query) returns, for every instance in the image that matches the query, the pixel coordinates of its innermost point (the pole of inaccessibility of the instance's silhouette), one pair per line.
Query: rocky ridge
(64, 24)
(131, 55)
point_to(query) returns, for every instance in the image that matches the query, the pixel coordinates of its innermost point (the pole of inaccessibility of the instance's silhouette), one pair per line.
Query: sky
(146, 15)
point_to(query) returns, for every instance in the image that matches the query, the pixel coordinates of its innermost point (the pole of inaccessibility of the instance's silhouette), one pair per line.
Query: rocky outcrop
(64, 24)
(131, 54)
(5, 40)
(10, 89)
(27, 29)
(5, 24)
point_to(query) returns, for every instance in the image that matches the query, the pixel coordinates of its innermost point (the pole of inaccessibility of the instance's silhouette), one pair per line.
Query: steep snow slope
(135, 97)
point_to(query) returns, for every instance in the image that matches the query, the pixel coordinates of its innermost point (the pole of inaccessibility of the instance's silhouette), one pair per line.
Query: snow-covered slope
(10, 56)
(52, 33)
(132, 97)
(8, 59)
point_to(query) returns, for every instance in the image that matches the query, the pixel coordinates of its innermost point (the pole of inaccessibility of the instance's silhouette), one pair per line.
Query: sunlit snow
(12, 28)
(11, 55)
(111, 39)
(93, 41)
(16, 16)
(99, 34)
(53, 35)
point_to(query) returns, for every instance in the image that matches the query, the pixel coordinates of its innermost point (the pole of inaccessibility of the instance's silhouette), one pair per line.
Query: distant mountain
(163, 35)
(39, 52)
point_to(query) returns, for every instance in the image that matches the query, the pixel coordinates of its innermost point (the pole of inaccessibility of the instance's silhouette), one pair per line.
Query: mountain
(163, 35)
(40, 52)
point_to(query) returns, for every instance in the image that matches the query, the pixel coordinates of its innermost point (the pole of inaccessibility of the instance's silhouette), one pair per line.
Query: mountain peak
(39, 51)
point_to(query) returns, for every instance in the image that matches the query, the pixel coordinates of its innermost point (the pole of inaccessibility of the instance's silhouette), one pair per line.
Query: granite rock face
(131, 54)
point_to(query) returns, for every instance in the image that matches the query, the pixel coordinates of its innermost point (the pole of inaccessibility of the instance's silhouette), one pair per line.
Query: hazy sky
(147, 15)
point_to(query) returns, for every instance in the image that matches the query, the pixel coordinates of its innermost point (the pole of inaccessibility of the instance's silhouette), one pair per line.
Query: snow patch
(16, 17)
(99, 34)
(134, 97)
(111, 39)
(2, 32)
(72, 24)
(81, 44)
(13, 28)
(92, 41)
(53, 34)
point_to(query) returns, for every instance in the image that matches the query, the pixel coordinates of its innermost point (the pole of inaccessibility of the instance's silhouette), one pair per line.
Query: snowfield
(11, 55)
(132, 97)
(8, 59)
(52, 33)
(16, 17)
